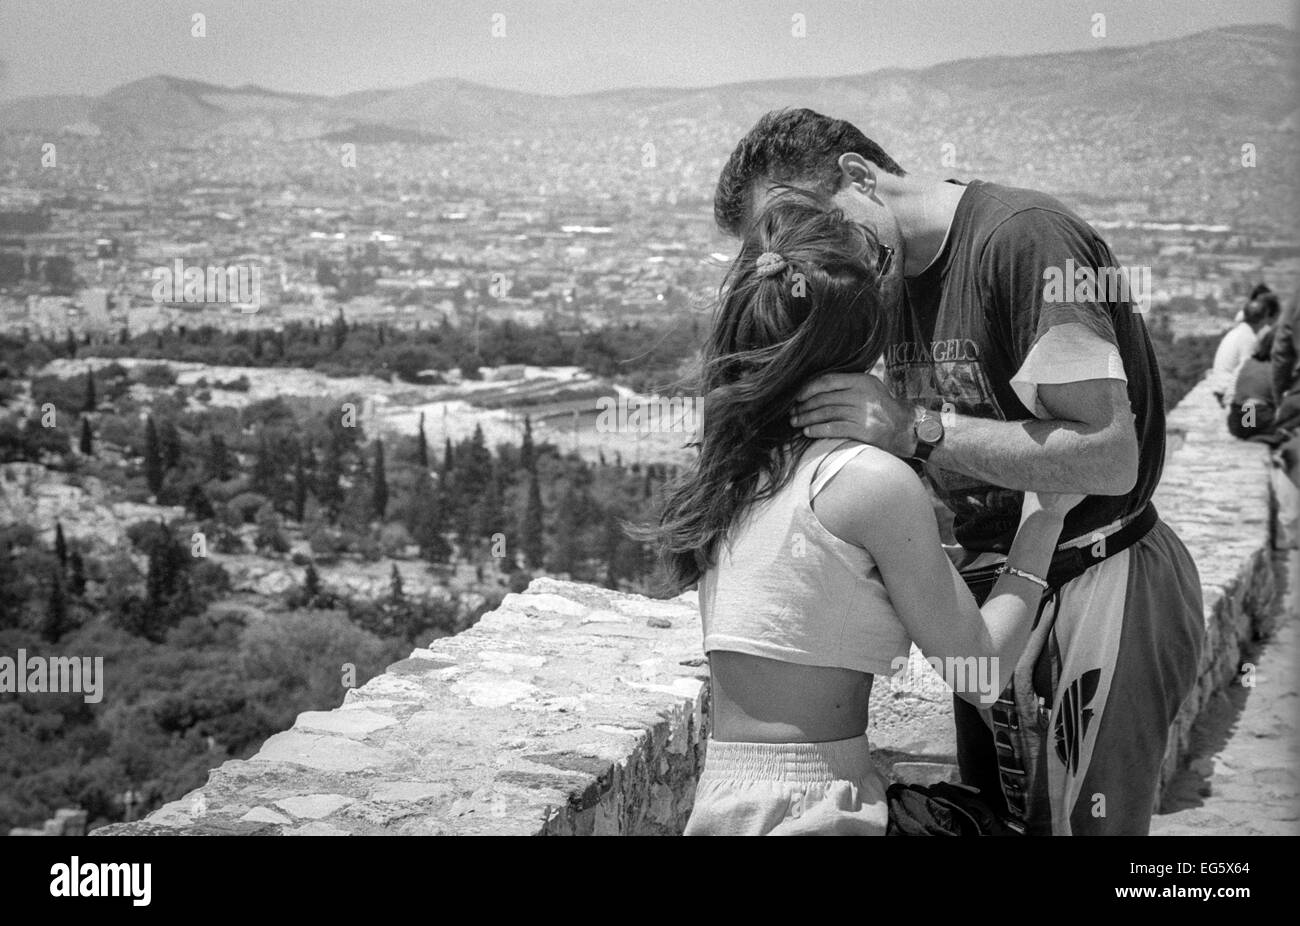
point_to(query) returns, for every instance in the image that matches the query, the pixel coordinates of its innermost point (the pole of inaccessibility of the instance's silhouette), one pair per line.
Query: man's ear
(857, 172)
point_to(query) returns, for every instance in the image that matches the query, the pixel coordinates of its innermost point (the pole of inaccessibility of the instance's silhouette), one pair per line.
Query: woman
(818, 562)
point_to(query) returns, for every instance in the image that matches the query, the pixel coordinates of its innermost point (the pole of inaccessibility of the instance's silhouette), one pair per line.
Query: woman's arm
(878, 503)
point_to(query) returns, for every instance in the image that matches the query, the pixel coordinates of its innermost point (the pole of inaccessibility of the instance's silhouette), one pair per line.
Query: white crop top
(786, 588)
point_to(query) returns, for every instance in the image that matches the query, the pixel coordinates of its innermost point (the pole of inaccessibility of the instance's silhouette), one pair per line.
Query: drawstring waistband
(800, 763)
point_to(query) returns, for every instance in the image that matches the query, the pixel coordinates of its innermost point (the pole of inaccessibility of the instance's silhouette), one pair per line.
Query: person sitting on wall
(1286, 461)
(1240, 343)
(1252, 411)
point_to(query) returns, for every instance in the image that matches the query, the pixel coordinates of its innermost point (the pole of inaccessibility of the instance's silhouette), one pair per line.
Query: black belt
(1069, 564)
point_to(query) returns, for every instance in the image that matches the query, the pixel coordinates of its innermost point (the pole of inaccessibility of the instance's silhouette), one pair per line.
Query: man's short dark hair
(798, 147)
(1261, 309)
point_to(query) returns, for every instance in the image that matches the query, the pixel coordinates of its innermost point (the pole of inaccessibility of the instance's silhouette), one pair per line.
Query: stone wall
(573, 710)
(1216, 494)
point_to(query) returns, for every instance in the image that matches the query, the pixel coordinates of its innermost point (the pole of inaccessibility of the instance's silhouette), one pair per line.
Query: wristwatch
(929, 432)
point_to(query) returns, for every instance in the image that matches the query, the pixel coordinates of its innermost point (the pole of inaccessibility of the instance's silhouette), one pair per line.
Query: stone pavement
(1244, 777)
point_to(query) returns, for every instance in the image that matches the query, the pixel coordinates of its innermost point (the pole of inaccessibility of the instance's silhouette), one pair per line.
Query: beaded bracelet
(1012, 570)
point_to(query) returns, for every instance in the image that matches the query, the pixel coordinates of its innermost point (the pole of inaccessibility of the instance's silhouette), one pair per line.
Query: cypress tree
(395, 593)
(153, 466)
(425, 517)
(299, 486)
(169, 442)
(534, 525)
(491, 517)
(311, 584)
(87, 439)
(90, 403)
(329, 486)
(340, 330)
(77, 569)
(60, 545)
(218, 457)
(568, 554)
(56, 612)
(196, 500)
(422, 448)
(613, 545)
(380, 494)
(527, 454)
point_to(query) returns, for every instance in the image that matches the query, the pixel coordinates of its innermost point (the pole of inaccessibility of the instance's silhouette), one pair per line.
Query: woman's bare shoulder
(874, 490)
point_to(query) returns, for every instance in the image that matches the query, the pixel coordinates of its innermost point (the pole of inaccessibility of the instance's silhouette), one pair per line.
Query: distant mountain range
(1241, 76)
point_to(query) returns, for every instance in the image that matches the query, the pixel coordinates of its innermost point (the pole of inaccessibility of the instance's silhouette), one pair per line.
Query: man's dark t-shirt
(973, 316)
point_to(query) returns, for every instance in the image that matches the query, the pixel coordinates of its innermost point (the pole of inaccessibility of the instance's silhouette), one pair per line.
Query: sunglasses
(884, 259)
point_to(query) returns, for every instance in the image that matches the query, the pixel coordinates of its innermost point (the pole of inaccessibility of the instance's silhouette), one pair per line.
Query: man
(1239, 344)
(1004, 383)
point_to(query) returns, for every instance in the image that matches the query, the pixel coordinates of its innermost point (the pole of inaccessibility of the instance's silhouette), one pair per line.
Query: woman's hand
(1054, 503)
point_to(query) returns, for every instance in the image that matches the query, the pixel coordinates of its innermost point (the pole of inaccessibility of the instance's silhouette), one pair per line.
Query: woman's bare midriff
(759, 700)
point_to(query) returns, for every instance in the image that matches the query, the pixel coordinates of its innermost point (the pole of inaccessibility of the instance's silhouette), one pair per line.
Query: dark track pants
(1106, 670)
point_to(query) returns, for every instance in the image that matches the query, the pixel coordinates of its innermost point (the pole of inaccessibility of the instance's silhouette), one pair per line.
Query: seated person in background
(1286, 463)
(1285, 357)
(1252, 411)
(1239, 343)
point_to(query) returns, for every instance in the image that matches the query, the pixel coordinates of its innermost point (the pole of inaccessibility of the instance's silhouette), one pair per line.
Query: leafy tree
(270, 537)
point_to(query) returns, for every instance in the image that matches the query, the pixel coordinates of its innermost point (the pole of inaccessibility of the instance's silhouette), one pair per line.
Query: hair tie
(769, 263)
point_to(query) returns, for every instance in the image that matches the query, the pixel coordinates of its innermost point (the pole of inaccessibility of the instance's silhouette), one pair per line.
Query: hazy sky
(550, 46)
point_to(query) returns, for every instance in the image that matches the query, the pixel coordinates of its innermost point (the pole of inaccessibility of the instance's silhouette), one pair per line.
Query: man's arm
(1088, 445)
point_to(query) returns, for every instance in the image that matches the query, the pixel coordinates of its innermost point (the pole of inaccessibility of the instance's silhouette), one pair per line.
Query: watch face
(930, 430)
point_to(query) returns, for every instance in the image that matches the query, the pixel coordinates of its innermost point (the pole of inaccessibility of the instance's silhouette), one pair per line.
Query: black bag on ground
(943, 809)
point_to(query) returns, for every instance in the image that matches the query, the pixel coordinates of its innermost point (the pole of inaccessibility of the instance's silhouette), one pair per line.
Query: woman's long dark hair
(771, 334)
